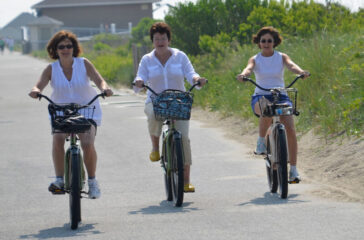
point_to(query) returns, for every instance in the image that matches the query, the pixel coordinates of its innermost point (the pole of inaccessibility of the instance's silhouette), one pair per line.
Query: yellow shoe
(188, 188)
(154, 156)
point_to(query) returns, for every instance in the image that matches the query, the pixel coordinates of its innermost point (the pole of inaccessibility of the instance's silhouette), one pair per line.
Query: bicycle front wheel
(282, 155)
(167, 174)
(271, 171)
(75, 191)
(177, 171)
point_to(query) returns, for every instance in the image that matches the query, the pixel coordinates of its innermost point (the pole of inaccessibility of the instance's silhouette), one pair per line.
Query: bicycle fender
(177, 135)
(75, 150)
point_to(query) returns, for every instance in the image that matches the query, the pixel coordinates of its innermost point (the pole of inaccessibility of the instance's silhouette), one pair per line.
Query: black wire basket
(70, 119)
(172, 104)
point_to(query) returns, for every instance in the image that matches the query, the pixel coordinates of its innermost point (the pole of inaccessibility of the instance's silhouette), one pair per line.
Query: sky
(10, 9)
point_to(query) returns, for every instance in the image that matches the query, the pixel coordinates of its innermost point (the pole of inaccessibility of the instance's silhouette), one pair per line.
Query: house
(15, 28)
(41, 29)
(96, 15)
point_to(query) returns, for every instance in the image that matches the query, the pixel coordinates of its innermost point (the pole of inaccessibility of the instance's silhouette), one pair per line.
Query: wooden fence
(138, 53)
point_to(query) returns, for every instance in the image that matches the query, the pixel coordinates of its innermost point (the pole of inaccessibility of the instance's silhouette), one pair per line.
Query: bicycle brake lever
(103, 95)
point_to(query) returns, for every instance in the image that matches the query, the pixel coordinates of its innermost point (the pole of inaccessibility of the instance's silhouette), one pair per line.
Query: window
(144, 7)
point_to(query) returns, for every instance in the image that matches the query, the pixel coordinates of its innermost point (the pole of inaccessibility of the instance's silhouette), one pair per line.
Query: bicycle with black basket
(276, 139)
(72, 119)
(169, 106)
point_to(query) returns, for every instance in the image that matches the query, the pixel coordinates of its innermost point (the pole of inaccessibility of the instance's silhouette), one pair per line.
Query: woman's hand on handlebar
(241, 77)
(201, 80)
(108, 92)
(139, 83)
(34, 93)
(305, 74)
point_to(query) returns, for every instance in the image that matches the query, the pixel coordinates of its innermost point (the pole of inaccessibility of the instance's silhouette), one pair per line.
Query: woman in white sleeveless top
(268, 67)
(69, 77)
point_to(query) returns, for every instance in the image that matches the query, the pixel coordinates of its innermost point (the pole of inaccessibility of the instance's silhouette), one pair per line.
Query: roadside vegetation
(327, 40)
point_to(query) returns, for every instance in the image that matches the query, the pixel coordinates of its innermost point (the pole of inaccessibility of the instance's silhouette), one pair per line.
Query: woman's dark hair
(160, 27)
(272, 31)
(59, 37)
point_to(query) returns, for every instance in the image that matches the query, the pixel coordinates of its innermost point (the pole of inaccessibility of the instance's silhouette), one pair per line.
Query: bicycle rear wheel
(282, 155)
(75, 191)
(271, 172)
(177, 171)
(167, 174)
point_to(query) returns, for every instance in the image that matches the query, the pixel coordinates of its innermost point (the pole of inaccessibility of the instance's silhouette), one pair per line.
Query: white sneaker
(294, 176)
(261, 148)
(93, 189)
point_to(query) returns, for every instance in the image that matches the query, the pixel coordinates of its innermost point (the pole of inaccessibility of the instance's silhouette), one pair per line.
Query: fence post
(138, 53)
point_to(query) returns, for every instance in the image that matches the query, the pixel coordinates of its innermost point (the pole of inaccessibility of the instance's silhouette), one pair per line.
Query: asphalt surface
(231, 201)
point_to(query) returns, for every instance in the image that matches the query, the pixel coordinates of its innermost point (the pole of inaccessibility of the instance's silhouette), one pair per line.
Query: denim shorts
(269, 97)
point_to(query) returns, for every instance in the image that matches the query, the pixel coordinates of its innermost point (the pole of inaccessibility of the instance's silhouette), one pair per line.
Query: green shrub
(99, 46)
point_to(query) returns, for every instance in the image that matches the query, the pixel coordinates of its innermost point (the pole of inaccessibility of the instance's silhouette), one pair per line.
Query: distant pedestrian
(2, 45)
(10, 43)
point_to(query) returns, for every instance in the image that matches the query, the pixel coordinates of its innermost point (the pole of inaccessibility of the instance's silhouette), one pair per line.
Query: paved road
(231, 201)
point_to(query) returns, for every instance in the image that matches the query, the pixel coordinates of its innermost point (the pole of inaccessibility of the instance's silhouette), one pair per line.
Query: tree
(140, 33)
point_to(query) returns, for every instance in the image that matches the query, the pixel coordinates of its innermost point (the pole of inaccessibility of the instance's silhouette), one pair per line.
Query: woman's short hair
(160, 27)
(59, 37)
(277, 38)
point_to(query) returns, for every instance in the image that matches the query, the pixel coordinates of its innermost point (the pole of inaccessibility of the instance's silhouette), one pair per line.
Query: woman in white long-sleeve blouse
(166, 68)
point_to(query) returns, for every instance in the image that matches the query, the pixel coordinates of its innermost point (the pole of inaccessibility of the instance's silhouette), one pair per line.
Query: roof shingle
(85, 3)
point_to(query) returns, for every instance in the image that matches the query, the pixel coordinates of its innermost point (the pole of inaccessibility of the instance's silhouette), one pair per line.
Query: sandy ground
(335, 166)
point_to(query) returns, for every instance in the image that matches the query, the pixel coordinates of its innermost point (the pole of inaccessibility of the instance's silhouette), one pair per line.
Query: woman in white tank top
(268, 67)
(69, 77)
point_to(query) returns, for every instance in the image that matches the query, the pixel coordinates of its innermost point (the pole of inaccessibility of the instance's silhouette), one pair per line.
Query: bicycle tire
(167, 174)
(271, 172)
(177, 177)
(75, 193)
(282, 155)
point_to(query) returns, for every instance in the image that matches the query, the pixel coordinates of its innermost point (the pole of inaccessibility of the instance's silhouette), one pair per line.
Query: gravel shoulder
(335, 165)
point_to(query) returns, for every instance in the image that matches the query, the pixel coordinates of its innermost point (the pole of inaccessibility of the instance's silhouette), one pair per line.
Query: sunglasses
(68, 46)
(264, 41)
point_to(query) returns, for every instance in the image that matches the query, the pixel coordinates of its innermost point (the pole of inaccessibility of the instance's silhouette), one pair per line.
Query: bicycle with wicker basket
(72, 119)
(169, 106)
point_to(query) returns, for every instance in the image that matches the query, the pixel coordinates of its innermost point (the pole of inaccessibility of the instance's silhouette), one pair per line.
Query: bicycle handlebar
(192, 87)
(246, 79)
(39, 95)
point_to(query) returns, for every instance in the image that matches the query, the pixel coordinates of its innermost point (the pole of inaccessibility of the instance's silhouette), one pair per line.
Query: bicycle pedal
(260, 154)
(295, 181)
(57, 191)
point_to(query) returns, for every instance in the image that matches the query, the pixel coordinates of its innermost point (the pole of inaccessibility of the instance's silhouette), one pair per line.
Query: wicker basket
(173, 104)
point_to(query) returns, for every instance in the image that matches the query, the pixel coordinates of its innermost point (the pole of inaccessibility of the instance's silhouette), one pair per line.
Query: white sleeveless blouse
(77, 90)
(269, 72)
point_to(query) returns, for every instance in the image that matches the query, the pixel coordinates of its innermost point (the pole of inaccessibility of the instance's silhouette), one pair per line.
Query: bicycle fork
(272, 138)
(168, 135)
(73, 150)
